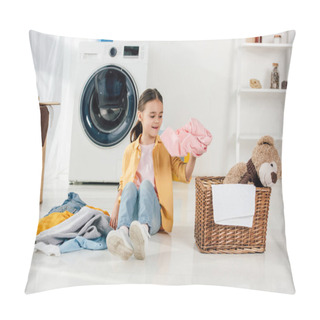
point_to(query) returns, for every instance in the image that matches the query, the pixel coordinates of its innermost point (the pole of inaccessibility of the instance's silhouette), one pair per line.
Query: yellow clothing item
(185, 160)
(165, 167)
(105, 212)
(52, 220)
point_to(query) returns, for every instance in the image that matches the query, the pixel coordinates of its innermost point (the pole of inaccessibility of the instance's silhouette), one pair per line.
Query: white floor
(172, 259)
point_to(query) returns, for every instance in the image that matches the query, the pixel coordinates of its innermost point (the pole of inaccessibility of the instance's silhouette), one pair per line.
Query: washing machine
(110, 76)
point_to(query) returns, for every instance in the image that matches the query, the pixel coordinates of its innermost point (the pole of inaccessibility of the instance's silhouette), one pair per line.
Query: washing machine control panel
(126, 51)
(98, 50)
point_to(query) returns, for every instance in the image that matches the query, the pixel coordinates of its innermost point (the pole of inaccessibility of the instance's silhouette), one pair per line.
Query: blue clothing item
(73, 204)
(142, 205)
(80, 243)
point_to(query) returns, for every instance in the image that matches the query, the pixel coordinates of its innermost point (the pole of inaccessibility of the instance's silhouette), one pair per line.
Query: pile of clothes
(72, 226)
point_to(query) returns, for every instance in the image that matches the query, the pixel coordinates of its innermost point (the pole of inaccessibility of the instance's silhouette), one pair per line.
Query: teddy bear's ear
(266, 140)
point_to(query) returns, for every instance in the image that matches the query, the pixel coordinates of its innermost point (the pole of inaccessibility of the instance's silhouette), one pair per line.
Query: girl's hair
(146, 96)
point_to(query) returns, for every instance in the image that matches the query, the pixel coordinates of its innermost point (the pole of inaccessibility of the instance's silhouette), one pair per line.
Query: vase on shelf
(274, 77)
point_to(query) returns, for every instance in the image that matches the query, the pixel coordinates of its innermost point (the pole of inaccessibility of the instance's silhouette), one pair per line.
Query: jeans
(73, 204)
(142, 205)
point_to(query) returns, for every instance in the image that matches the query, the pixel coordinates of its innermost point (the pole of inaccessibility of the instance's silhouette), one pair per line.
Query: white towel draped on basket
(233, 204)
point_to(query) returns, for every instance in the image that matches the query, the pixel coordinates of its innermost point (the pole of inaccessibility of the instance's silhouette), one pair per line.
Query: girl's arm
(115, 212)
(190, 166)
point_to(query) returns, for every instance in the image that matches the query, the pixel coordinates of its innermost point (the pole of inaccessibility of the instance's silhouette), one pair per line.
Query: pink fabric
(192, 138)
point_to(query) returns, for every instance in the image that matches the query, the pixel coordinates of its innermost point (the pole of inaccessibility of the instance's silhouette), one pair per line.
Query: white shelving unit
(264, 93)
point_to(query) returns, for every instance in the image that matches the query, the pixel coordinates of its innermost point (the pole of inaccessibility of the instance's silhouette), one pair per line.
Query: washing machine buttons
(113, 52)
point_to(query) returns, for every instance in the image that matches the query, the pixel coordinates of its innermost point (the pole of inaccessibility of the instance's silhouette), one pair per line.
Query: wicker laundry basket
(214, 238)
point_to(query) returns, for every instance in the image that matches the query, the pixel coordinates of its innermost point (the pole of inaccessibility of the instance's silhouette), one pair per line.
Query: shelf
(246, 50)
(266, 45)
(256, 137)
(250, 90)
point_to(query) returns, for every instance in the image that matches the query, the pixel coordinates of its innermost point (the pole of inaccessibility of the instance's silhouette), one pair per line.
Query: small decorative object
(255, 84)
(275, 77)
(284, 84)
(277, 38)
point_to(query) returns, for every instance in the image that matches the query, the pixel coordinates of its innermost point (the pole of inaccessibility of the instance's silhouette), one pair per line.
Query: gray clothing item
(88, 223)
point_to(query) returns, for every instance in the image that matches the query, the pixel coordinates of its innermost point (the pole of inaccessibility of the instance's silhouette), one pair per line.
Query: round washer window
(108, 106)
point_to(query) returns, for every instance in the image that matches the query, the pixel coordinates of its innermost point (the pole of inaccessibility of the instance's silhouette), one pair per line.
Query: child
(144, 202)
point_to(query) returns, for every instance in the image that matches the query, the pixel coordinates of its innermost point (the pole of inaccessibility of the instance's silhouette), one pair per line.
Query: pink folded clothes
(192, 138)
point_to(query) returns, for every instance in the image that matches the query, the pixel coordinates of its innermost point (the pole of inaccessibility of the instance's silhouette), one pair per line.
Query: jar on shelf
(275, 77)
(277, 38)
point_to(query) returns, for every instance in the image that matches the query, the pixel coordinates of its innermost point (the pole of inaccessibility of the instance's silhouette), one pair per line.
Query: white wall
(196, 80)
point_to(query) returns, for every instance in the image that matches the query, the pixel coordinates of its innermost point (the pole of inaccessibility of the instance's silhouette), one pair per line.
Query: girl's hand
(114, 218)
(190, 166)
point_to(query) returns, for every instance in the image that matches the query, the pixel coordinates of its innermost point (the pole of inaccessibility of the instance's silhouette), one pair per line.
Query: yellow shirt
(164, 166)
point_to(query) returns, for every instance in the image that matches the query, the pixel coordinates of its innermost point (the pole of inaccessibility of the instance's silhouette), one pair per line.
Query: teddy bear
(262, 170)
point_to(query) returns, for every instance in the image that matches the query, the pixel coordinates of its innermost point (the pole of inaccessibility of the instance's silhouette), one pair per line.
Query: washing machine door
(108, 105)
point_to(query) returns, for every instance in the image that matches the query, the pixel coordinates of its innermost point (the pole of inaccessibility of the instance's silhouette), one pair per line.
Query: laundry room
(195, 79)
(89, 92)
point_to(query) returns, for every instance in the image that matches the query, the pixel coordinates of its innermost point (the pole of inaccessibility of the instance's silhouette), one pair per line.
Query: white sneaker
(139, 238)
(119, 244)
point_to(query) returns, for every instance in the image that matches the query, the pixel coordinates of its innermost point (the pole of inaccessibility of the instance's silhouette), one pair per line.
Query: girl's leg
(149, 207)
(118, 241)
(148, 215)
(128, 210)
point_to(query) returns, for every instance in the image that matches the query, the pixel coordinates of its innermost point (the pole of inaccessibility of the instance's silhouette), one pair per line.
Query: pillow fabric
(228, 93)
